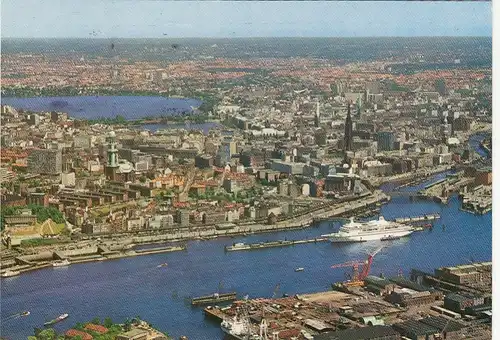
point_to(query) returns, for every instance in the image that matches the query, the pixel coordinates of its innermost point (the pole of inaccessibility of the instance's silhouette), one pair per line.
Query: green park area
(106, 330)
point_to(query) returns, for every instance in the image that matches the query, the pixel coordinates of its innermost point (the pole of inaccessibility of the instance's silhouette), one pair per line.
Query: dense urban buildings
(231, 140)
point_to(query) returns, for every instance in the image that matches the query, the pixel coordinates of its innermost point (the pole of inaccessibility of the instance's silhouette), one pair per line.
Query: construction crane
(276, 290)
(357, 278)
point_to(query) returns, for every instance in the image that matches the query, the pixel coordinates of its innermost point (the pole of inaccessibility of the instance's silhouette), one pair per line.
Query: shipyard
(374, 307)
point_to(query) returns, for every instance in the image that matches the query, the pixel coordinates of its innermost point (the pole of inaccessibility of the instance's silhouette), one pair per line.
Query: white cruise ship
(369, 231)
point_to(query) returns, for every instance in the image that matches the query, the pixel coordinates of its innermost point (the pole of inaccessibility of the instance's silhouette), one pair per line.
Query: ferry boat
(56, 320)
(10, 273)
(369, 231)
(62, 263)
(300, 269)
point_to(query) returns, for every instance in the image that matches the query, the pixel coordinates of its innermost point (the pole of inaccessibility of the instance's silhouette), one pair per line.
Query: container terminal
(373, 308)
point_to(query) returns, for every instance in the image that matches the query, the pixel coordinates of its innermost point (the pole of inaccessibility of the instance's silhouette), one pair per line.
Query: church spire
(348, 129)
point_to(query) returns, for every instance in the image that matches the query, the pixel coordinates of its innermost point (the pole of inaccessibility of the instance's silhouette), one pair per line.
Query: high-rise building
(45, 161)
(317, 118)
(358, 107)
(348, 130)
(385, 141)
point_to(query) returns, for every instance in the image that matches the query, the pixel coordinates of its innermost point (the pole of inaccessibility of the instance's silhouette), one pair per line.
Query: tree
(96, 321)
(108, 322)
(127, 325)
(47, 334)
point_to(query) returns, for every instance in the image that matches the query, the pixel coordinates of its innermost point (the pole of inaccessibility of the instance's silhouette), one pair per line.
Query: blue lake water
(134, 286)
(91, 107)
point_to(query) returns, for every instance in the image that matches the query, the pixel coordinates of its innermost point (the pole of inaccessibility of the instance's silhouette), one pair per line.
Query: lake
(91, 107)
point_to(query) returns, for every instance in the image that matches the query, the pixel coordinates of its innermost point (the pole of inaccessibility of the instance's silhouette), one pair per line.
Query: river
(135, 286)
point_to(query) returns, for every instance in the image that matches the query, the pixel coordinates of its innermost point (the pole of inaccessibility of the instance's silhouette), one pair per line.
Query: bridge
(403, 193)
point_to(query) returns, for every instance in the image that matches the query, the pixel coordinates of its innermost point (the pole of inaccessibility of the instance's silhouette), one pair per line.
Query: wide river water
(135, 286)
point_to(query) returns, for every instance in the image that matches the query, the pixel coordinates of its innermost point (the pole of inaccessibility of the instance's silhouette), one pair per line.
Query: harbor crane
(357, 278)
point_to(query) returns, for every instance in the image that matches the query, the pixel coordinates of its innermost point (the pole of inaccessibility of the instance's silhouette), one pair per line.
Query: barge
(214, 298)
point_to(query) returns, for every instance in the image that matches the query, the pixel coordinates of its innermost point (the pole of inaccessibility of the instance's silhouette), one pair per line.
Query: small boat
(56, 320)
(10, 273)
(390, 238)
(25, 313)
(300, 269)
(62, 263)
(162, 265)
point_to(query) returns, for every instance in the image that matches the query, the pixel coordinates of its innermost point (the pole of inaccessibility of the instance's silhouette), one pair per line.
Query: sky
(156, 19)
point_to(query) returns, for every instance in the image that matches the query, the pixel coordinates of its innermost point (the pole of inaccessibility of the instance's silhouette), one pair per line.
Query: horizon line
(260, 37)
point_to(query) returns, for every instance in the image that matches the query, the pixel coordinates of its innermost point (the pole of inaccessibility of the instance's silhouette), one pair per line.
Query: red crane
(357, 277)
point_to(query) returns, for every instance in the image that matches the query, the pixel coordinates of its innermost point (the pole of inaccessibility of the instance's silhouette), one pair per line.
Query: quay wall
(299, 222)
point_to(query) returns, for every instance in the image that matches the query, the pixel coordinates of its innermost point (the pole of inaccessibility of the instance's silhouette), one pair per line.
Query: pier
(423, 218)
(29, 263)
(273, 244)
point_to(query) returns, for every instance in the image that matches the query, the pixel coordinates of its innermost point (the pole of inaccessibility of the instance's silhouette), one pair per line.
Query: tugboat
(390, 238)
(56, 320)
(10, 273)
(62, 263)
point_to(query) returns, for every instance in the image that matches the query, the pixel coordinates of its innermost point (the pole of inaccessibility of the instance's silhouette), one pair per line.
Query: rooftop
(373, 332)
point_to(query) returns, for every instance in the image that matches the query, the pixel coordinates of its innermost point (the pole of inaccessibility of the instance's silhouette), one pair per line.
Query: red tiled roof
(73, 332)
(96, 328)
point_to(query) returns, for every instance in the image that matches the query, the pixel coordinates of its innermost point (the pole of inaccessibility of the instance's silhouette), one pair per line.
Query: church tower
(348, 130)
(111, 167)
(317, 117)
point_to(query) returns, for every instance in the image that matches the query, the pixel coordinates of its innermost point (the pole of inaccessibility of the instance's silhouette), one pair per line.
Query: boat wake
(15, 316)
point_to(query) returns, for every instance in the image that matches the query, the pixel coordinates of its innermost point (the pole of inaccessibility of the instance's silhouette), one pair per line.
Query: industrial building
(466, 274)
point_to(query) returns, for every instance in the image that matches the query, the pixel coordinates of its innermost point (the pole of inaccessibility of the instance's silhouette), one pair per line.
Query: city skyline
(157, 19)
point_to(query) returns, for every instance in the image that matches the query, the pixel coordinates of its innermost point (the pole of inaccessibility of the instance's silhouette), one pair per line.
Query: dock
(214, 298)
(272, 244)
(430, 217)
(478, 201)
(214, 313)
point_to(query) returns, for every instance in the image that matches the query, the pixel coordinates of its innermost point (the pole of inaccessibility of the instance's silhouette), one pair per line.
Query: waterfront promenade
(121, 246)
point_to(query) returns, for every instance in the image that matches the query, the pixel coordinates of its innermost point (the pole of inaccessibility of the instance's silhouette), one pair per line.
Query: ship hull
(370, 237)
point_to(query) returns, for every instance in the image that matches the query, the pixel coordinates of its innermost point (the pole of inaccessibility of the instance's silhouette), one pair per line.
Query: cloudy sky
(154, 19)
